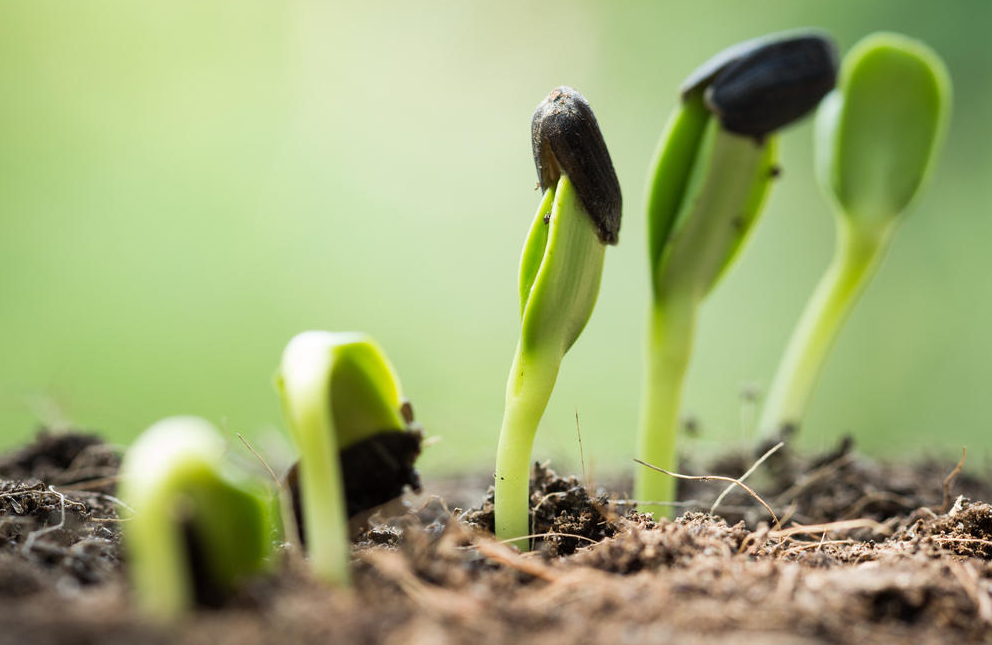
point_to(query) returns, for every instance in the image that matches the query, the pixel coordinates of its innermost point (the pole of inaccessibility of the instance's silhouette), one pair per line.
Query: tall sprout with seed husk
(343, 404)
(877, 136)
(711, 174)
(560, 271)
(199, 526)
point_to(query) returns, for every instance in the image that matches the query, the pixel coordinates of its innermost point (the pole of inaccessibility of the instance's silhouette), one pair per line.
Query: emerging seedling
(877, 136)
(198, 526)
(560, 270)
(354, 432)
(714, 164)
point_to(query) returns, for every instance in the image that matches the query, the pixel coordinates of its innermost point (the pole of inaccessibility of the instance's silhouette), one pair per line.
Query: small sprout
(560, 271)
(712, 171)
(198, 526)
(355, 435)
(877, 136)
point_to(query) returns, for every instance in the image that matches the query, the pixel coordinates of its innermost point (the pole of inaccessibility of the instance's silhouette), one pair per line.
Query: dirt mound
(883, 561)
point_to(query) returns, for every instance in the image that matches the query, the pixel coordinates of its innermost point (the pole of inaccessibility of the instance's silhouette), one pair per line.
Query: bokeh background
(185, 185)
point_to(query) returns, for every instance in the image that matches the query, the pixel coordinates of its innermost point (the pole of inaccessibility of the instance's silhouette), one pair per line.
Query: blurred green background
(185, 185)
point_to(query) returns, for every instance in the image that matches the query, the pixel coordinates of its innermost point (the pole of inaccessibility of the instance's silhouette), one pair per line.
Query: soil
(905, 557)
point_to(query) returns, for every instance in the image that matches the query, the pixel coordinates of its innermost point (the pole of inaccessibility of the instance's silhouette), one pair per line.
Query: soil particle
(64, 459)
(432, 575)
(71, 537)
(565, 516)
(836, 485)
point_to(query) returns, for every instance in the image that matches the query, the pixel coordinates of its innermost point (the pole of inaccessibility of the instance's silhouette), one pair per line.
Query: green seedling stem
(710, 177)
(536, 362)
(736, 173)
(337, 389)
(877, 136)
(560, 271)
(199, 526)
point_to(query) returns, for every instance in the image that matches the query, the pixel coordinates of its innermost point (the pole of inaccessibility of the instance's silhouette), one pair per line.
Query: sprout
(353, 430)
(876, 139)
(559, 278)
(198, 528)
(711, 174)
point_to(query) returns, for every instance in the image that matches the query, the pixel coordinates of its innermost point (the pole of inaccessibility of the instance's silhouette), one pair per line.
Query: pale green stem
(321, 487)
(670, 334)
(158, 558)
(532, 379)
(722, 201)
(856, 258)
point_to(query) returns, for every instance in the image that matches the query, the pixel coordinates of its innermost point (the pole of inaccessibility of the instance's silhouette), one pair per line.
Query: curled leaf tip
(566, 139)
(761, 85)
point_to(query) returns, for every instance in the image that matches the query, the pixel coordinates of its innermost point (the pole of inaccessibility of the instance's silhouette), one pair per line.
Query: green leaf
(765, 172)
(877, 134)
(358, 385)
(534, 247)
(726, 188)
(672, 169)
(566, 285)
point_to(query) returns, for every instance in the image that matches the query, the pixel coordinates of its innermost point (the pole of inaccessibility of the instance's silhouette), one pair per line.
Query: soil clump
(862, 553)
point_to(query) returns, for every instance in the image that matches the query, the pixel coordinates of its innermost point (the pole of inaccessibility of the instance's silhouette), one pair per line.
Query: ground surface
(905, 559)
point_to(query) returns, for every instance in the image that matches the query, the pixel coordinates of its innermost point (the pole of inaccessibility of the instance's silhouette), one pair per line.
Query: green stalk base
(532, 379)
(670, 335)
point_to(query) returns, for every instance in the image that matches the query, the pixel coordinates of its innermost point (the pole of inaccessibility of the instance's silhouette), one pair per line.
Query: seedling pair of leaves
(355, 435)
(715, 163)
(559, 278)
(710, 179)
(200, 525)
(876, 139)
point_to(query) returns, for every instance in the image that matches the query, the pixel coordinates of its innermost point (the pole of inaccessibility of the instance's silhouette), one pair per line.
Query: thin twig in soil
(747, 474)
(949, 480)
(970, 581)
(11, 497)
(427, 502)
(259, 457)
(962, 540)
(813, 545)
(499, 552)
(105, 496)
(716, 478)
(540, 535)
(34, 535)
(431, 598)
(831, 527)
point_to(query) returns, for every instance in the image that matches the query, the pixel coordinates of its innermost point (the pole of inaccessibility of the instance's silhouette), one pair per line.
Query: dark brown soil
(897, 564)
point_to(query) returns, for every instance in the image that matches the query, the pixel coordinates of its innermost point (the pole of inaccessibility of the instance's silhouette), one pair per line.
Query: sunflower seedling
(876, 138)
(560, 271)
(711, 173)
(198, 526)
(355, 435)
